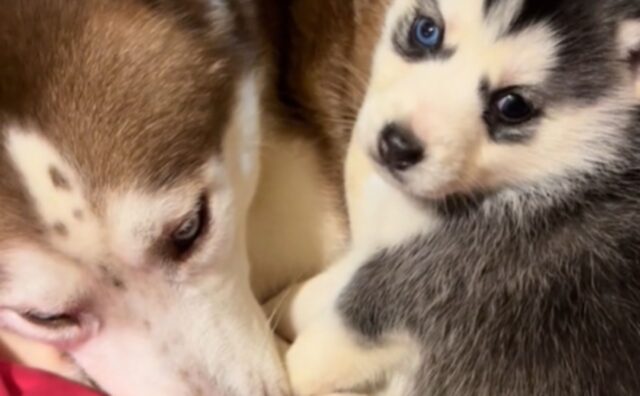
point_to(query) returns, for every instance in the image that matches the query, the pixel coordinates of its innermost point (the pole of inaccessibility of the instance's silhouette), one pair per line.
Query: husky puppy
(129, 136)
(501, 252)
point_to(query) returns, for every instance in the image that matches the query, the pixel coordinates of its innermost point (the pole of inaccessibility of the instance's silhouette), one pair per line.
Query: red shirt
(21, 381)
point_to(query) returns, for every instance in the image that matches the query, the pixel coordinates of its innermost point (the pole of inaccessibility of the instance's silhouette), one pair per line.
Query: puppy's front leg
(328, 357)
(301, 305)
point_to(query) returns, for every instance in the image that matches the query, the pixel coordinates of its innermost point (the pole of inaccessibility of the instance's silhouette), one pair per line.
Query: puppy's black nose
(399, 149)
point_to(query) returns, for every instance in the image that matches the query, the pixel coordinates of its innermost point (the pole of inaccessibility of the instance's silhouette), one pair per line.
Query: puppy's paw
(329, 359)
(347, 394)
(320, 361)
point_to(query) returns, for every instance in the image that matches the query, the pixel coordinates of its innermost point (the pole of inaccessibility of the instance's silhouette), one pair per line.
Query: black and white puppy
(496, 221)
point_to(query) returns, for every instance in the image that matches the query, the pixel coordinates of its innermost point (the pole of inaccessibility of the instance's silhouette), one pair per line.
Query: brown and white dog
(129, 155)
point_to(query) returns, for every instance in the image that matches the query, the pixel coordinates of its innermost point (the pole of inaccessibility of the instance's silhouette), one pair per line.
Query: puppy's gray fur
(527, 290)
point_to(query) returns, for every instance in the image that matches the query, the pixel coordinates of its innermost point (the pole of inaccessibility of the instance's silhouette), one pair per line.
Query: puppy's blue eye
(426, 33)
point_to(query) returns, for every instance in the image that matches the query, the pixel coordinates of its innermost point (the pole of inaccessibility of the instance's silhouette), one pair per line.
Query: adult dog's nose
(399, 149)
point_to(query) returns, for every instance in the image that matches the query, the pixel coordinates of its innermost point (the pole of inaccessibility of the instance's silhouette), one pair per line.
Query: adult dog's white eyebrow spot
(57, 192)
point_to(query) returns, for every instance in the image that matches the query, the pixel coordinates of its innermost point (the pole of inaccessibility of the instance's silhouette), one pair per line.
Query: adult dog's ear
(629, 39)
(216, 18)
(197, 14)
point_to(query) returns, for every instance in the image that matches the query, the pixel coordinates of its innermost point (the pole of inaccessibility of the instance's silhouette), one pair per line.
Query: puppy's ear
(629, 38)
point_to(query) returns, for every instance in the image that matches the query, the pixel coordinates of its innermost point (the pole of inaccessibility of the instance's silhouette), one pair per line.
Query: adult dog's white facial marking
(57, 192)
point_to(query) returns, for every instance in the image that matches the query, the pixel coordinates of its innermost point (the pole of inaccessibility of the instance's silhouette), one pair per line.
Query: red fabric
(21, 381)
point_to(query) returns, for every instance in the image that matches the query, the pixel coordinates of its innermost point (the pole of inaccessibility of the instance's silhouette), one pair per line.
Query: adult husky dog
(129, 155)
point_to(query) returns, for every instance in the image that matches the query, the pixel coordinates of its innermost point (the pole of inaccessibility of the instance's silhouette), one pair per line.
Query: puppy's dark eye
(512, 108)
(185, 236)
(426, 34)
(56, 321)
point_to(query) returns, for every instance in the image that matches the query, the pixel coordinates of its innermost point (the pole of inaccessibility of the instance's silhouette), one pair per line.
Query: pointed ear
(230, 24)
(630, 46)
(204, 15)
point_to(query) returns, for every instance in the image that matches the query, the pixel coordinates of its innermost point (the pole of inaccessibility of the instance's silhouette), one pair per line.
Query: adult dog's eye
(426, 34)
(187, 233)
(185, 236)
(512, 108)
(53, 321)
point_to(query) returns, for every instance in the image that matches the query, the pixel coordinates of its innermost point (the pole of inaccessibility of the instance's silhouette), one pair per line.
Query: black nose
(399, 149)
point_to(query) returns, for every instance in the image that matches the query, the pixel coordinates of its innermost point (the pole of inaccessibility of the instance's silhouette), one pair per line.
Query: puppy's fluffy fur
(499, 266)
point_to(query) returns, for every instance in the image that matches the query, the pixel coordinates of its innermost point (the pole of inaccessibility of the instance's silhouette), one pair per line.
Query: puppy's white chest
(380, 215)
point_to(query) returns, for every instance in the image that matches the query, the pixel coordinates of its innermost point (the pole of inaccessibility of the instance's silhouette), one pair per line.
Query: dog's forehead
(124, 93)
(62, 213)
(566, 48)
(100, 96)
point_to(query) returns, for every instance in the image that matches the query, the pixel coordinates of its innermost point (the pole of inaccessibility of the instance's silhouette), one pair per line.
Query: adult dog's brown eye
(184, 238)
